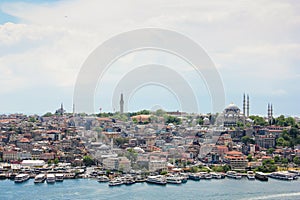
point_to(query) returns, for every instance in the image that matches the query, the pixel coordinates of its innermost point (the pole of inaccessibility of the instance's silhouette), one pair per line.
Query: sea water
(205, 189)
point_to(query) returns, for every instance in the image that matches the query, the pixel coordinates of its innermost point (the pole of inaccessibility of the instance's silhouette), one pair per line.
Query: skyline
(255, 47)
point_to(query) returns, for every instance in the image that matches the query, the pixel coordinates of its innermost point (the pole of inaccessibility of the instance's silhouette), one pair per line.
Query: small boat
(40, 178)
(129, 180)
(261, 176)
(174, 179)
(183, 177)
(139, 179)
(102, 179)
(233, 174)
(216, 175)
(159, 179)
(20, 178)
(207, 176)
(115, 182)
(2, 176)
(50, 178)
(194, 177)
(250, 175)
(59, 177)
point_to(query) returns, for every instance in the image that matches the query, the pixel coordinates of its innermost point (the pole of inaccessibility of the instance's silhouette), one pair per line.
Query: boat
(129, 180)
(183, 177)
(281, 176)
(216, 175)
(297, 173)
(50, 178)
(207, 176)
(250, 175)
(115, 182)
(174, 179)
(159, 179)
(40, 178)
(261, 176)
(102, 179)
(139, 179)
(194, 177)
(2, 176)
(20, 178)
(233, 174)
(59, 177)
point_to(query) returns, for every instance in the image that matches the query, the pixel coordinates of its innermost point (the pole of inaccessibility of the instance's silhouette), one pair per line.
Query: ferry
(59, 177)
(281, 176)
(115, 182)
(233, 174)
(159, 179)
(21, 178)
(50, 178)
(174, 179)
(102, 179)
(250, 175)
(261, 176)
(40, 178)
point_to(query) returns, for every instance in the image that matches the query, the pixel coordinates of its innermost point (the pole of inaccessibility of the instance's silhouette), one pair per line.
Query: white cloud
(244, 38)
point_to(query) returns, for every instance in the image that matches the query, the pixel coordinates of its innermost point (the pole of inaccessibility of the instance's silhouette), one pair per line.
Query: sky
(255, 46)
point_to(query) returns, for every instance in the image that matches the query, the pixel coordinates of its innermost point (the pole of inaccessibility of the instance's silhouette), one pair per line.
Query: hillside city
(152, 141)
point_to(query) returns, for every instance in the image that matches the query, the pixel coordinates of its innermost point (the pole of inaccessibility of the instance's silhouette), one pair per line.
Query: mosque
(232, 114)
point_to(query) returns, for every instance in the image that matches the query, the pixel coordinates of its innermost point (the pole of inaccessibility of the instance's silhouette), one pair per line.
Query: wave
(276, 196)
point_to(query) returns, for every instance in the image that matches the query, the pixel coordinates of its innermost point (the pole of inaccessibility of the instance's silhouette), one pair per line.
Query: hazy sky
(255, 45)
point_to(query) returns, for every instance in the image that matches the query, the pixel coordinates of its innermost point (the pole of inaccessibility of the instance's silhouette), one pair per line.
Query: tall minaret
(248, 106)
(121, 104)
(62, 109)
(244, 109)
(73, 109)
(271, 114)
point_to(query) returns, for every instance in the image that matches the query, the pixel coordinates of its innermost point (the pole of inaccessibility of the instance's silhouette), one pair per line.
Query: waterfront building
(236, 160)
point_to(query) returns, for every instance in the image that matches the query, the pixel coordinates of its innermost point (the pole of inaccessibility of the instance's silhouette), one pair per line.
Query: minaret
(62, 109)
(271, 114)
(73, 109)
(248, 106)
(121, 104)
(244, 109)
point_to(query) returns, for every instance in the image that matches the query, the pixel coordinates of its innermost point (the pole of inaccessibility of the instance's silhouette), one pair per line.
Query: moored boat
(115, 182)
(20, 178)
(102, 179)
(233, 174)
(216, 175)
(261, 176)
(50, 178)
(281, 176)
(174, 179)
(40, 178)
(59, 177)
(159, 179)
(194, 177)
(250, 175)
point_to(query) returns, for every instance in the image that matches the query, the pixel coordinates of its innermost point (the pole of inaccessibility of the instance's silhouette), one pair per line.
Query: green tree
(296, 160)
(249, 158)
(48, 114)
(56, 161)
(270, 151)
(88, 161)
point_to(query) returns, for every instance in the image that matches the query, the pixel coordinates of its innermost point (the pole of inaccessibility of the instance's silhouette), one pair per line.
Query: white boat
(102, 179)
(40, 178)
(50, 178)
(233, 174)
(281, 176)
(59, 177)
(216, 175)
(115, 182)
(159, 179)
(20, 178)
(251, 175)
(174, 179)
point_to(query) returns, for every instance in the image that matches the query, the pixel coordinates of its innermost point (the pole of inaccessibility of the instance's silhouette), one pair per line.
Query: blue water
(205, 189)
